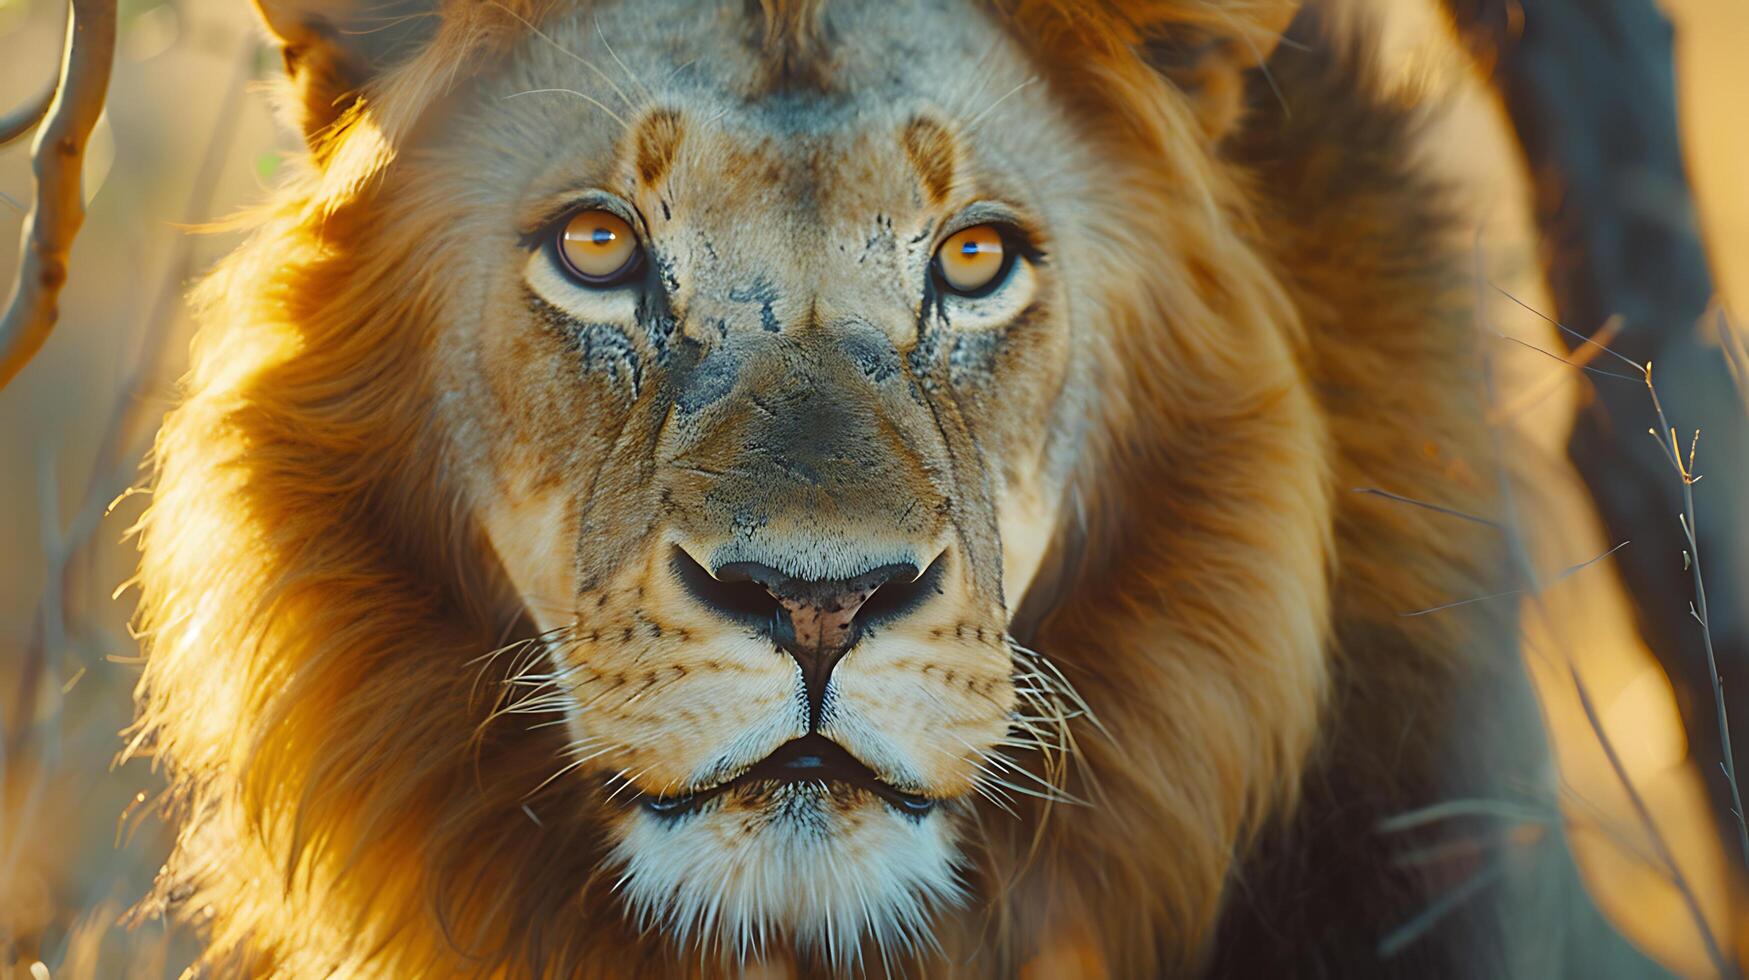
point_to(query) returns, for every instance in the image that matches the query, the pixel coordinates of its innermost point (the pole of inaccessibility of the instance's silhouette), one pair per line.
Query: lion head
(672, 483)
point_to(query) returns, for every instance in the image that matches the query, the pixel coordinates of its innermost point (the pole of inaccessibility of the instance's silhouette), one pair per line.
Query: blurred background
(189, 137)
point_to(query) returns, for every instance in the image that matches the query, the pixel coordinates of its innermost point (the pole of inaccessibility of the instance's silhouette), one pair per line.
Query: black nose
(816, 622)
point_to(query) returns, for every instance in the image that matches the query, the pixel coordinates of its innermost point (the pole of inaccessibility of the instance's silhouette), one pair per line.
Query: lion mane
(317, 603)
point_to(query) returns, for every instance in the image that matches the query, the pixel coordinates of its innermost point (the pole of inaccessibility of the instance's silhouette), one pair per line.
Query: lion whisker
(574, 56)
(496, 652)
(546, 704)
(962, 99)
(1023, 735)
(983, 785)
(567, 767)
(995, 796)
(538, 679)
(1050, 792)
(635, 80)
(592, 100)
(1053, 796)
(1061, 683)
(485, 661)
(975, 120)
(625, 781)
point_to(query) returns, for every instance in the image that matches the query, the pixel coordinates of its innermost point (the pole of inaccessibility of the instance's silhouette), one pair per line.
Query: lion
(673, 487)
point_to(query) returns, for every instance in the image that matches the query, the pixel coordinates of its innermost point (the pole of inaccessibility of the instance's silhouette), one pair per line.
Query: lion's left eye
(974, 261)
(598, 248)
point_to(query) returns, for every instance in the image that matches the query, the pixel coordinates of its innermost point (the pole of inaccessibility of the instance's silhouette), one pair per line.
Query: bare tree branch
(59, 210)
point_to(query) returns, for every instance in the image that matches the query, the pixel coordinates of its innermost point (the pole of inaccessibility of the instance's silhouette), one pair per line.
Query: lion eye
(972, 260)
(599, 248)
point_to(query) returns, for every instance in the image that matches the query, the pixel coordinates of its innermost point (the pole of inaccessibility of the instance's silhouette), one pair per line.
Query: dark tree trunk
(1590, 89)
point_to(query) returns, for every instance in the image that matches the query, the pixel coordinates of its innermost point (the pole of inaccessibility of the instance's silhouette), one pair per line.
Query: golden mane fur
(318, 601)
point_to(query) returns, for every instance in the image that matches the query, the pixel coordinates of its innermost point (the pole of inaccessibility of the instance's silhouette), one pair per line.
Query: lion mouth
(809, 759)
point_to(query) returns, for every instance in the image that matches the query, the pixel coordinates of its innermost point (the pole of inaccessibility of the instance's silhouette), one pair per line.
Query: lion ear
(1206, 49)
(333, 48)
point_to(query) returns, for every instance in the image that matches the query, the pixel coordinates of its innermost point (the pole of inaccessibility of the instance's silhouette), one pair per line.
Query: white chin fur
(797, 873)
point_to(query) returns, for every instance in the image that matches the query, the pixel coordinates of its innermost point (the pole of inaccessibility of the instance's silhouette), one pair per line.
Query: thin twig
(59, 210)
(1577, 358)
(1406, 934)
(1685, 472)
(1425, 505)
(1590, 341)
(1566, 573)
(1509, 810)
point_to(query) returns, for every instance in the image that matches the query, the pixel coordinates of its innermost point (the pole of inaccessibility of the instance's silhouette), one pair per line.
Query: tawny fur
(318, 593)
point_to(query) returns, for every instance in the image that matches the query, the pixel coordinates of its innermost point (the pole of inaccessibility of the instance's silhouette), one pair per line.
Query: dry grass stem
(1685, 471)
(1529, 582)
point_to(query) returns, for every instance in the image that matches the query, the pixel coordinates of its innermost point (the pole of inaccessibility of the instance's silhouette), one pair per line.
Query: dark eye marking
(601, 348)
(974, 356)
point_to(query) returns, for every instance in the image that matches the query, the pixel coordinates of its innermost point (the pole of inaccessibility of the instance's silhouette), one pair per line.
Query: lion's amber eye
(599, 248)
(971, 260)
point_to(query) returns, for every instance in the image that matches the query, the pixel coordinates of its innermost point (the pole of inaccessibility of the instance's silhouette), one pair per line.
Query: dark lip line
(811, 758)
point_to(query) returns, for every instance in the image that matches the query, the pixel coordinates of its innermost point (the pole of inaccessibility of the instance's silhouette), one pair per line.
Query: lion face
(767, 367)
(761, 394)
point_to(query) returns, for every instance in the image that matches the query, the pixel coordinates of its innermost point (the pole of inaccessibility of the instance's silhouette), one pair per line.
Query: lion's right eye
(598, 248)
(974, 261)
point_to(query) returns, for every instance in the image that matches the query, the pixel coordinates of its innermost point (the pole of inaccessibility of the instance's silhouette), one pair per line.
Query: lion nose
(815, 621)
(820, 620)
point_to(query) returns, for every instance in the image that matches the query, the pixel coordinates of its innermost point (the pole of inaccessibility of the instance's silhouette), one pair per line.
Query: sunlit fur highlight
(342, 803)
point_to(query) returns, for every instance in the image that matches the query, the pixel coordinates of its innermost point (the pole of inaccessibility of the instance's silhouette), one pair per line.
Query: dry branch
(59, 209)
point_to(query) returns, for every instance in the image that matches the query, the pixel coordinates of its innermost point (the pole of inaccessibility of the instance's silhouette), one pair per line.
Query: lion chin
(807, 863)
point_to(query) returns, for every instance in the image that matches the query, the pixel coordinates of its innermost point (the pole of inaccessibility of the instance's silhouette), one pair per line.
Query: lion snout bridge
(816, 622)
(809, 499)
